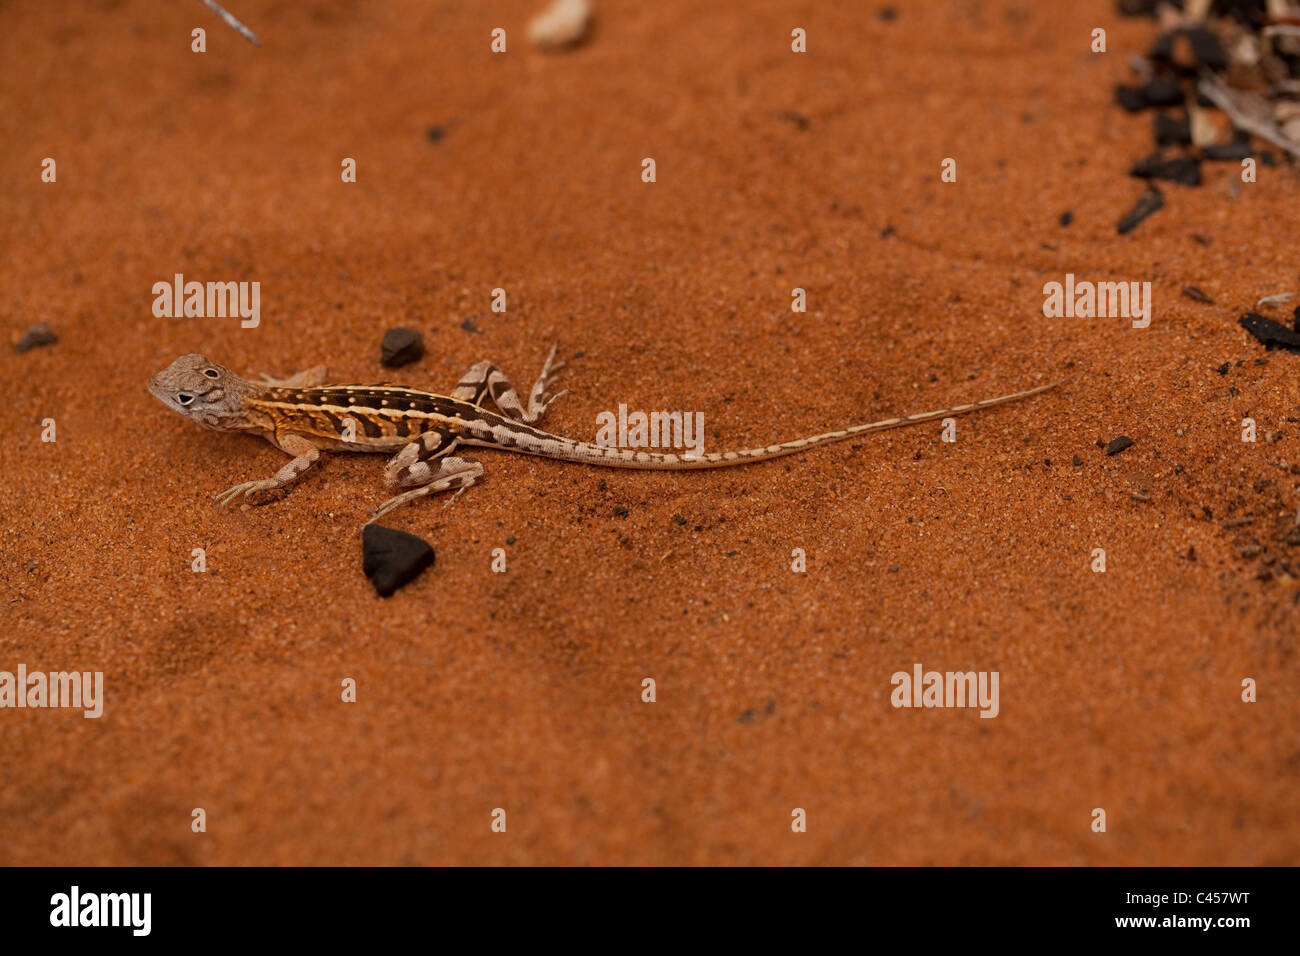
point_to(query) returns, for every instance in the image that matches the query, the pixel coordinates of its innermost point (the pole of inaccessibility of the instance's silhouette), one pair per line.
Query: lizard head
(201, 390)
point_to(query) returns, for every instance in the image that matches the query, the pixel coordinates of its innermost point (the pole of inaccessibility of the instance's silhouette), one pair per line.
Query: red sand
(522, 691)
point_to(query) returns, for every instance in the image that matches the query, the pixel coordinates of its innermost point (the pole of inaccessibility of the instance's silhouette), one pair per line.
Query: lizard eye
(212, 373)
(184, 398)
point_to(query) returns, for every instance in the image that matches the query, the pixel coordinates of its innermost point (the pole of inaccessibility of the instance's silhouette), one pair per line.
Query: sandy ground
(522, 690)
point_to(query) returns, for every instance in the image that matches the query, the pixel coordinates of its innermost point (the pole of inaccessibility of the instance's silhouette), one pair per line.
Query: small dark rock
(1067, 217)
(436, 133)
(620, 511)
(38, 335)
(1077, 461)
(1181, 169)
(1224, 368)
(679, 519)
(1220, 152)
(393, 558)
(1117, 445)
(1172, 131)
(1148, 203)
(1163, 93)
(797, 119)
(1131, 98)
(469, 326)
(400, 347)
(1274, 335)
(1138, 8)
(1207, 48)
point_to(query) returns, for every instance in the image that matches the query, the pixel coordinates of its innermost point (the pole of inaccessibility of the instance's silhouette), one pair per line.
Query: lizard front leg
(305, 455)
(485, 380)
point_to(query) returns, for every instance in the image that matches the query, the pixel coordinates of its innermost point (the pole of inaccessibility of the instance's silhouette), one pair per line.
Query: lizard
(303, 416)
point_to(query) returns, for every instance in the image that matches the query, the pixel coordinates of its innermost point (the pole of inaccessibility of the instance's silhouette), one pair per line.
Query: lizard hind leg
(450, 473)
(485, 381)
(425, 467)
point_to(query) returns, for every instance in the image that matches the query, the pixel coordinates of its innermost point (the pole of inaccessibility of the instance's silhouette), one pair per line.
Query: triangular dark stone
(393, 558)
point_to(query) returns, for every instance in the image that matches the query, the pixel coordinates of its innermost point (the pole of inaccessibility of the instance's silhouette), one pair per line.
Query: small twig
(1139, 496)
(1237, 523)
(231, 22)
(1280, 298)
(1239, 105)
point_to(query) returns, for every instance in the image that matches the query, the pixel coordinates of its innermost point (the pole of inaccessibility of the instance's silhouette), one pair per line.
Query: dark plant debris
(1185, 170)
(1274, 335)
(1214, 67)
(1196, 294)
(1148, 203)
(1117, 445)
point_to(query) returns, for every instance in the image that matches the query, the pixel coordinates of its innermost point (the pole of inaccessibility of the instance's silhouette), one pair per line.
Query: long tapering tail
(567, 449)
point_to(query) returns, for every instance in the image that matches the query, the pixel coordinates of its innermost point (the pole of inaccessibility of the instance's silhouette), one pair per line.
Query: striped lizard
(302, 416)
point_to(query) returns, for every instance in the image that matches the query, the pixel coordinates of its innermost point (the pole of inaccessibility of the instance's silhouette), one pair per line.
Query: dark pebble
(1067, 217)
(679, 519)
(794, 117)
(1077, 461)
(1148, 203)
(436, 133)
(1220, 152)
(1181, 169)
(1163, 93)
(38, 335)
(469, 326)
(1207, 48)
(1224, 368)
(1131, 98)
(620, 512)
(1172, 131)
(1274, 335)
(393, 558)
(1138, 8)
(1117, 445)
(400, 347)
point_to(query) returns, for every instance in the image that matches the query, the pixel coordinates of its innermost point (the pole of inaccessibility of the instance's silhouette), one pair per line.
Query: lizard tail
(589, 453)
